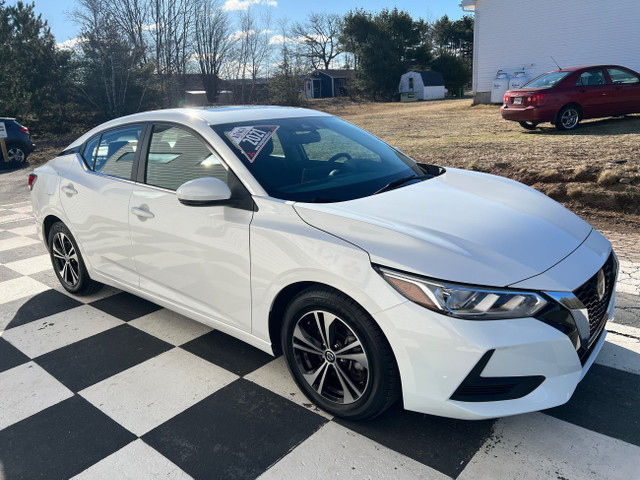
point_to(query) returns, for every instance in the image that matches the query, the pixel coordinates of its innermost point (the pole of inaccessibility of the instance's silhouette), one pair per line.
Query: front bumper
(471, 369)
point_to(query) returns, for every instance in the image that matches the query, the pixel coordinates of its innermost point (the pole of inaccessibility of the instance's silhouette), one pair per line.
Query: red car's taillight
(32, 180)
(506, 99)
(535, 99)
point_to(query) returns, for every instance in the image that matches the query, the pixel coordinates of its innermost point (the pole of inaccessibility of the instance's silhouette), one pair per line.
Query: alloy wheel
(65, 259)
(569, 118)
(16, 155)
(330, 357)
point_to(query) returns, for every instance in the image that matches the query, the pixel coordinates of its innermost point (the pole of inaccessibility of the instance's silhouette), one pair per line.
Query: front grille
(587, 293)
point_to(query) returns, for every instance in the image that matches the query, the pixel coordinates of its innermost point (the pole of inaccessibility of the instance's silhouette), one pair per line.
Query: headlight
(473, 303)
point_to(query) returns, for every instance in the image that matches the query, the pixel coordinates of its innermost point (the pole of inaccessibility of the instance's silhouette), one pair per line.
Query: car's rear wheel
(529, 125)
(16, 153)
(568, 117)
(338, 356)
(68, 263)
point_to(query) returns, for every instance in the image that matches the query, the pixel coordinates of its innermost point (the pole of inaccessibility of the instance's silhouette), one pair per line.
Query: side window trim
(140, 165)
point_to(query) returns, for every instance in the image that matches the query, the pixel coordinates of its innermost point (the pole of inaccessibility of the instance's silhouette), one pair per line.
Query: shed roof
(431, 78)
(335, 73)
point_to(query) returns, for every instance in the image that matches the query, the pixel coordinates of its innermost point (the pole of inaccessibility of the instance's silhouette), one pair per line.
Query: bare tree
(212, 44)
(321, 34)
(285, 85)
(252, 51)
(108, 61)
(173, 22)
(133, 17)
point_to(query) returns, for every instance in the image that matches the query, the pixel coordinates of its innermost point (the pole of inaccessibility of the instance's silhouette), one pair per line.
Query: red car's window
(591, 77)
(622, 76)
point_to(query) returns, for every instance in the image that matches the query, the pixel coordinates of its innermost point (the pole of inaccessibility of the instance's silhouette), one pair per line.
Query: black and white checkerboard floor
(112, 386)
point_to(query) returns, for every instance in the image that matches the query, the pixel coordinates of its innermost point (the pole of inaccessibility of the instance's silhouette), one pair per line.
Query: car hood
(461, 226)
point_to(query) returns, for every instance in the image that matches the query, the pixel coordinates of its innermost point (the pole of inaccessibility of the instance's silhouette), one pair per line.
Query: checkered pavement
(112, 386)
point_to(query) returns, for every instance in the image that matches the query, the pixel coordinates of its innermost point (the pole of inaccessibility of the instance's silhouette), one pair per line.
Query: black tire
(356, 377)
(17, 153)
(67, 261)
(568, 117)
(529, 125)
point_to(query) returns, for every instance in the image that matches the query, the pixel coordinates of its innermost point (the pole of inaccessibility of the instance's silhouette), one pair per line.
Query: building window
(410, 83)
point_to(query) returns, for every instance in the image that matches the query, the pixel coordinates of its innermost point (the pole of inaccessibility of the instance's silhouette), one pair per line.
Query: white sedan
(467, 295)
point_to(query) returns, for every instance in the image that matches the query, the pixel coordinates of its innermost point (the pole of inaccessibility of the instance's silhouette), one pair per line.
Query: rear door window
(591, 78)
(116, 151)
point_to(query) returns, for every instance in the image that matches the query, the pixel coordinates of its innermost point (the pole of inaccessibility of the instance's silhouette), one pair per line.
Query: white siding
(514, 34)
(434, 93)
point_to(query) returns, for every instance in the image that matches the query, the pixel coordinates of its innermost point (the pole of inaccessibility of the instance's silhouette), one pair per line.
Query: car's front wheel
(68, 263)
(338, 355)
(568, 118)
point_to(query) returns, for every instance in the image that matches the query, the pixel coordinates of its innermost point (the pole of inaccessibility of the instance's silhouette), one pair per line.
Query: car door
(595, 94)
(196, 257)
(626, 86)
(96, 201)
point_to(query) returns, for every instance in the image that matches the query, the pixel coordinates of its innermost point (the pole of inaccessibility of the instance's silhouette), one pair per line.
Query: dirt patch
(594, 170)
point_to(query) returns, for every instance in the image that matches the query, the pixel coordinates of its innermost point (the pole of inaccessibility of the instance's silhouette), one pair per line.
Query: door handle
(69, 190)
(142, 213)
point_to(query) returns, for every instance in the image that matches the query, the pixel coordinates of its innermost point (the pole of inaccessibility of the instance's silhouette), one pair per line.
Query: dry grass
(607, 178)
(580, 168)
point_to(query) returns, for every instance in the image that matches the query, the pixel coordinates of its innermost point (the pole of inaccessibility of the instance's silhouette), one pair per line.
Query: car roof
(210, 115)
(588, 67)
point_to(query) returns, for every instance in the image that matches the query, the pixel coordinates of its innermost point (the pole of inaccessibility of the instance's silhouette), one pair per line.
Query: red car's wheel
(568, 117)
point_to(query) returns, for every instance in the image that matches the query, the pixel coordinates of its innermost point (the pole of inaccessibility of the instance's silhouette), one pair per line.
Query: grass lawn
(582, 169)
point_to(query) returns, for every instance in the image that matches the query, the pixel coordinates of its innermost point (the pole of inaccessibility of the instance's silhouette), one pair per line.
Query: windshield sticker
(251, 140)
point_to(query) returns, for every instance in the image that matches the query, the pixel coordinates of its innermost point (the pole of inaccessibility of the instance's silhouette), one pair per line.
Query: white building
(427, 84)
(515, 35)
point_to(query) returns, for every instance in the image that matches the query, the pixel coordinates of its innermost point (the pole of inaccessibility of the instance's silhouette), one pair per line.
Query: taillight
(535, 99)
(24, 130)
(32, 180)
(506, 99)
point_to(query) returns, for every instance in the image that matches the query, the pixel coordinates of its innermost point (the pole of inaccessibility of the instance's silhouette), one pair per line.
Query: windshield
(546, 80)
(316, 159)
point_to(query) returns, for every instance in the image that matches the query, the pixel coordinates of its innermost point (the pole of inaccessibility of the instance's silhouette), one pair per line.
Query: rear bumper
(529, 114)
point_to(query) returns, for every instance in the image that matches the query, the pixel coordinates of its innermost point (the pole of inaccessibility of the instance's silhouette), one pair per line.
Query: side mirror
(203, 192)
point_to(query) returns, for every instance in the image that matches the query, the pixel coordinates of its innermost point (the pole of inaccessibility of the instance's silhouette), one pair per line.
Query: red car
(564, 97)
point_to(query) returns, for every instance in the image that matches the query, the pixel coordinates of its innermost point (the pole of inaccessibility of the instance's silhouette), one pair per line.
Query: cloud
(231, 5)
(276, 39)
(70, 44)
(239, 34)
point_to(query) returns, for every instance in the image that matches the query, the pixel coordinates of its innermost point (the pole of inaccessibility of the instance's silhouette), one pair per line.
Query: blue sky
(56, 11)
